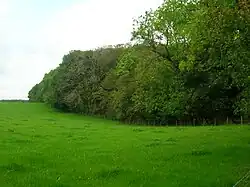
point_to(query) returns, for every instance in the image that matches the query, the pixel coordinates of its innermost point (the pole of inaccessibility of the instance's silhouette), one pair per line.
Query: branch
(108, 89)
(166, 56)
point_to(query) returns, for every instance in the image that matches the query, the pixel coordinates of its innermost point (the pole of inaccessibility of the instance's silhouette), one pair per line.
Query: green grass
(43, 148)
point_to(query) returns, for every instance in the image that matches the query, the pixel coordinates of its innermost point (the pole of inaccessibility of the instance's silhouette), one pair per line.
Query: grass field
(43, 148)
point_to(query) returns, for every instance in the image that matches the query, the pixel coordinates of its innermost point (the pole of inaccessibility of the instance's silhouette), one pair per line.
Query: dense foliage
(191, 61)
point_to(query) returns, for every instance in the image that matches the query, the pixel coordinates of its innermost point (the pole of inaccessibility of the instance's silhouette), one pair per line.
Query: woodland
(188, 62)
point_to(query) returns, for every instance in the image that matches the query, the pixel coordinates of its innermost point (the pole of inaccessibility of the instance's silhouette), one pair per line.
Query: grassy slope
(39, 147)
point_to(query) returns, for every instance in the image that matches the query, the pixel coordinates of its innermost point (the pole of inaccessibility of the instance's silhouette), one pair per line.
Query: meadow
(40, 147)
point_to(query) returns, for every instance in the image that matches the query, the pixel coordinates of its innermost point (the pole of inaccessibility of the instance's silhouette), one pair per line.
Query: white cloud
(27, 52)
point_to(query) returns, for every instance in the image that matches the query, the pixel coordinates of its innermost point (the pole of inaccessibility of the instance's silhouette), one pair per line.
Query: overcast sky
(35, 34)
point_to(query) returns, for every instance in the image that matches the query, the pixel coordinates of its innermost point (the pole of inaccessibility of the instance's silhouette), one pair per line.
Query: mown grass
(43, 148)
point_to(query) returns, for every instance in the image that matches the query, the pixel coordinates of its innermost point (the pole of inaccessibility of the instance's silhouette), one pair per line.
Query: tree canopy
(190, 60)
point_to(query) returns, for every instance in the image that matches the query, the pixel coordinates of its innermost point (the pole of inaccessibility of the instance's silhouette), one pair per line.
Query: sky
(35, 34)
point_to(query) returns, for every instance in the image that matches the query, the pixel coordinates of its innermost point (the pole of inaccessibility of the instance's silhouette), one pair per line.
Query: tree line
(190, 61)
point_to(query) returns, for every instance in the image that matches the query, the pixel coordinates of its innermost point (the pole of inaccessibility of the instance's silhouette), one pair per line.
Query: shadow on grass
(20, 141)
(171, 140)
(11, 130)
(154, 144)
(13, 167)
(138, 130)
(84, 126)
(109, 173)
(159, 131)
(159, 142)
(201, 153)
(49, 119)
